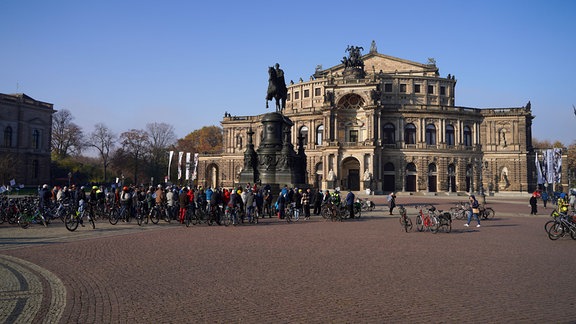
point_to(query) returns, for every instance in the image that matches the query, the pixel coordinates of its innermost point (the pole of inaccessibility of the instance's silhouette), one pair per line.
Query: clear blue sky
(129, 63)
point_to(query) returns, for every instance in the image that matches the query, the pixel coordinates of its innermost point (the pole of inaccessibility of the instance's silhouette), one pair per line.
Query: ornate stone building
(388, 124)
(25, 137)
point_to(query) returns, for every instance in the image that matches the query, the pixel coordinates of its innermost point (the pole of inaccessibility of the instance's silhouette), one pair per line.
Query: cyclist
(209, 193)
(125, 201)
(184, 203)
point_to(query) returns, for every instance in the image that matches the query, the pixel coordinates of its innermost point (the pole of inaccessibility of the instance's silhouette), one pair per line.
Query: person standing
(350, 202)
(306, 203)
(533, 204)
(473, 212)
(391, 201)
(318, 197)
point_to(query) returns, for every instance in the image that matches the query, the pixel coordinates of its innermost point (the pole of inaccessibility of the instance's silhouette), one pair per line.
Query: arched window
(388, 134)
(8, 136)
(450, 135)
(304, 132)
(467, 136)
(319, 134)
(389, 166)
(430, 134)
(36, 139)
(410, 134)
(432, 168)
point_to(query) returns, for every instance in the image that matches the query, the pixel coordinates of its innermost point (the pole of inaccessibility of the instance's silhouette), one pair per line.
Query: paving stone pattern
(366, 271)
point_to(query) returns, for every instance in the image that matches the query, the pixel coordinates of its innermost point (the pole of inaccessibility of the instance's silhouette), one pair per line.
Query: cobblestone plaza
(365, 270)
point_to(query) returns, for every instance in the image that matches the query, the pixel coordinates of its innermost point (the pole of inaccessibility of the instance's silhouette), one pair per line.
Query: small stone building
(25, 139)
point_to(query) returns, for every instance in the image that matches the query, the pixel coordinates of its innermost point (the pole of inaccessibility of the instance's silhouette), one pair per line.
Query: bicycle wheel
(155, 216)
(556, 231)
(447, 225)
(92, 221)
(114, 215)
(489, 213)
(227, 220)
(548, 224)
(23, 221)
(407, 224)
(71, 222)
(419, 223)
(188, 218)
(434, 225)
(139, 218)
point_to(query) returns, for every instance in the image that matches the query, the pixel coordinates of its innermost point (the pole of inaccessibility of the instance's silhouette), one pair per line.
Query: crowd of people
(179, 199)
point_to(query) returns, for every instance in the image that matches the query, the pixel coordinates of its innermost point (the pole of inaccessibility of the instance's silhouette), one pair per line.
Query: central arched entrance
(212, 176)
(351, 171)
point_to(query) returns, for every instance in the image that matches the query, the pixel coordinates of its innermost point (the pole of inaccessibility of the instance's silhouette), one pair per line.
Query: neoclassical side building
(25, 136)
(389, 124)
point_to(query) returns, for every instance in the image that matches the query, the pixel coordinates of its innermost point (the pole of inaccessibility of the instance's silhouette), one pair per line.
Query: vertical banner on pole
(180, 165)
(550, 172)
(195, 172)
(169, 164)
(539, 171)
(188, 166)
(557, 165)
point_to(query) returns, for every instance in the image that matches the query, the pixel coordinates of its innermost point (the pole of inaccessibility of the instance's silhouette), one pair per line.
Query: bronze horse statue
(276, 89)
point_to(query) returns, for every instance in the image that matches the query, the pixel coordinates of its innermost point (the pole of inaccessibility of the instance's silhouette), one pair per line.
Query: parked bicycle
(426, 220)
(563, 225)
(405, 221)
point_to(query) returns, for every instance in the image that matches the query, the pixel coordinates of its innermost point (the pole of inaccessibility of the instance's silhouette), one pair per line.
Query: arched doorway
(351, 170)
(410, 177)
(432, 178)
(389, 178)
(211, 177)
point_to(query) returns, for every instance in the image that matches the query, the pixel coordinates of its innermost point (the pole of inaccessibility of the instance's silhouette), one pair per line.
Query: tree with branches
(67, 137)
(103, 140)
(135, 145)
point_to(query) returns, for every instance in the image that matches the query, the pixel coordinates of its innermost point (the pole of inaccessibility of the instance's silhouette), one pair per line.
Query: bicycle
(117, 214)
(563, 225)
(159, 211)
(26, 217)
(73, 219)
(426, 220)
(459, 211)
(486, 212)
(405, 221)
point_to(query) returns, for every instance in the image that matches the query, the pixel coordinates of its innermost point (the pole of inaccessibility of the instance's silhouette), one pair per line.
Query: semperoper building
(392, 127)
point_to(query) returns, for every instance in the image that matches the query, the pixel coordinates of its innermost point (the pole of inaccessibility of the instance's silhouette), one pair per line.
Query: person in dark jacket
(350, 202)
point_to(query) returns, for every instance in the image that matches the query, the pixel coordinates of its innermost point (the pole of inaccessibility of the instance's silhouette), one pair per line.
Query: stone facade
(25, 139)
(394, 127)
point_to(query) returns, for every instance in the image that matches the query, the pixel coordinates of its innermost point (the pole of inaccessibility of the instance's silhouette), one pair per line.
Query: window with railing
(388, 134)
(467, 136)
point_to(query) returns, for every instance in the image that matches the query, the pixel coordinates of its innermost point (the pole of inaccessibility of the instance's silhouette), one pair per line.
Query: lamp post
(69, 178)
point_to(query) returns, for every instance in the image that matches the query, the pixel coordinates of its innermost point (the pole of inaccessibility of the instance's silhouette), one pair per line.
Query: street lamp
(69, 178)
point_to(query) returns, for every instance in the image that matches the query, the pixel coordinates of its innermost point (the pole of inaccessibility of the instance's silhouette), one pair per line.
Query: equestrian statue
(276, 87)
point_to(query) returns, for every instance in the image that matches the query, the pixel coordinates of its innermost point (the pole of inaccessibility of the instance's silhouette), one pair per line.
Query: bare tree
(135, 144)
(67, 137)
(162, 136)
(103, 140)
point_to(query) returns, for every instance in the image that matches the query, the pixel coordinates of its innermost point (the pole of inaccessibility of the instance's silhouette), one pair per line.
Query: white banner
(169, 164)
(180, 165)
(539, 171)
(195, 172)
(557, 165)
(188, 166)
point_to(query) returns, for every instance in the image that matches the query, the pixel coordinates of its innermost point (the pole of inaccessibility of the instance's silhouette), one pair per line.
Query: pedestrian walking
(544, 198)
(474, 211)
(533, 204)
(350, 202)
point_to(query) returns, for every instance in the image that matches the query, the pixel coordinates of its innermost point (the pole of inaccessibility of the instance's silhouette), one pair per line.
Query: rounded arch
(351, 173)
(351, 101)
(303, 131)
(211, 175)
(318, 174)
